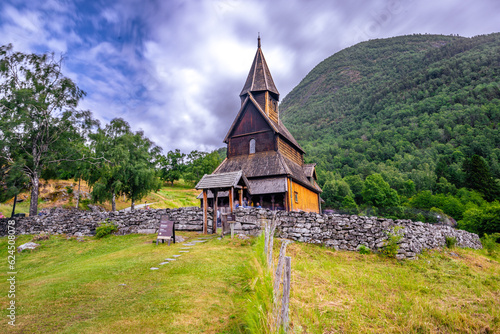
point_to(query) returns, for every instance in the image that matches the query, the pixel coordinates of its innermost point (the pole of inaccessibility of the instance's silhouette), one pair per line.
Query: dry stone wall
(350, 232)
(85, 222)
(338, 231)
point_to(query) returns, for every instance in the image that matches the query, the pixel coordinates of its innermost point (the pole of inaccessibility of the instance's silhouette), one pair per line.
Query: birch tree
(38, 114)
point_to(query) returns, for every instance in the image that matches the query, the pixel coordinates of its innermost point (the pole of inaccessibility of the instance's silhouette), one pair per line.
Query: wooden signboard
(166, 230)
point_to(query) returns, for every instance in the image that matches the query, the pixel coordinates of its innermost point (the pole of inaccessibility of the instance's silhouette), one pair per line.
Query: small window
(252, 146)
(296, 196)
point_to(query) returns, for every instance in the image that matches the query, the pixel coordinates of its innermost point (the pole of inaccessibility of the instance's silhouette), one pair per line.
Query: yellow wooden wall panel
(307, 200)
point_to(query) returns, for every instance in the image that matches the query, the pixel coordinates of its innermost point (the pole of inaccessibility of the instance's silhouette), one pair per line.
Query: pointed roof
(259, 78)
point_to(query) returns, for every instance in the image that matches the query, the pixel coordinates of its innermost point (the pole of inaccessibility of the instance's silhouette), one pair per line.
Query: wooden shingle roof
(265, 164)
(259, 78)
(222, 180)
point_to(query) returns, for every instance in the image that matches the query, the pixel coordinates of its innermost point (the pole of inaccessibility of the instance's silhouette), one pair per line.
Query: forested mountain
(409, 108)
(399, 105)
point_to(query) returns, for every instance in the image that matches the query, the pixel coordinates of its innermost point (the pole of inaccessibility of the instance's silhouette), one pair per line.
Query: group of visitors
(245, 204)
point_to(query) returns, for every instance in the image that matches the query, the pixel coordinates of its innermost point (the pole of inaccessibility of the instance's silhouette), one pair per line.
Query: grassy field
(175, 196)
(67, 286)
(52, 194)
(455, 291)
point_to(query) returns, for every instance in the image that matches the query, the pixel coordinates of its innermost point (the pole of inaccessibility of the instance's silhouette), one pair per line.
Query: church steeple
(259, 78)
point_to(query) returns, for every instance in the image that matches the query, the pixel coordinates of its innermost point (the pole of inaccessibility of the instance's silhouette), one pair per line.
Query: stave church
(265, 165)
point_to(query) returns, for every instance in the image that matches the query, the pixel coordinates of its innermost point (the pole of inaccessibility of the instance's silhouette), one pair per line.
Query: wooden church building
(264, 164)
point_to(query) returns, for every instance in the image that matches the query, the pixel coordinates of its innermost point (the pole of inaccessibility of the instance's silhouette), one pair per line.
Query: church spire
(259, 78)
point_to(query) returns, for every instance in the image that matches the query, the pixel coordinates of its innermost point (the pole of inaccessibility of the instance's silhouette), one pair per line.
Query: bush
(450, 242)
(482, 220)
(490, 243)
(364, 250)
(391, 245)
(105, 229)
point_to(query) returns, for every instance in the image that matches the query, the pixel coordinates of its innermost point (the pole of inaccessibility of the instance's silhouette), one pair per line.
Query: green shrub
(450, 242)
(364, 250)
(105, 229)
(490, 243)
(482, 220)
(69, 190)
(391, 245)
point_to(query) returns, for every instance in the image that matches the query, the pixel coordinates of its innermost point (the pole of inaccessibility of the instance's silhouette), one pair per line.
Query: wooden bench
(166, 230)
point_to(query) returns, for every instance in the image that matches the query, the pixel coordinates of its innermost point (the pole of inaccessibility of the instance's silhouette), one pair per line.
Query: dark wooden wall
(251, 121)
(264, 141)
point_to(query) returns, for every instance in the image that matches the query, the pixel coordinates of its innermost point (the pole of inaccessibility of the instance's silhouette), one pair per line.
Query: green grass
(346, 292)
(66, 286)
(179, 195)
(6, 209)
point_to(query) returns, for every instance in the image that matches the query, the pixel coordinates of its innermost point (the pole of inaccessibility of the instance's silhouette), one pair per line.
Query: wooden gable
(250, 121)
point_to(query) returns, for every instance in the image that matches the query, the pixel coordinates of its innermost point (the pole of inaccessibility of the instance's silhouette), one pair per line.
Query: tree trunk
(35, 184)
(113, 202)
(132, 205)
(78, 195)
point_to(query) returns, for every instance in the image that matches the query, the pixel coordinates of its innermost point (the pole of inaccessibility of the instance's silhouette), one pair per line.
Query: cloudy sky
(175, 68)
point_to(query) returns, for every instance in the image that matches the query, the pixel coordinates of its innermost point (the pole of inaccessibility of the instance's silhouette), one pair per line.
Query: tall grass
(258, 317)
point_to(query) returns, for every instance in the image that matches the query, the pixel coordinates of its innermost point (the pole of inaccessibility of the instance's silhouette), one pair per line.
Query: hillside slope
(397, 106)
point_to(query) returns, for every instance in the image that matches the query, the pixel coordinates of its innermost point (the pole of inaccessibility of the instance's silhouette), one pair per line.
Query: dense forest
(415, 115)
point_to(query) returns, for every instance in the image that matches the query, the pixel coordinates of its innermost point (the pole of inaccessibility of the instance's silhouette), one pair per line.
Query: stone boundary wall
(347, 232)
(69, 222)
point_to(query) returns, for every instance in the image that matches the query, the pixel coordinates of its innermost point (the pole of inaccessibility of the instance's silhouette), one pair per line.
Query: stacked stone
(347, 232)
(351, 232)
(251, 221)
(85, 222)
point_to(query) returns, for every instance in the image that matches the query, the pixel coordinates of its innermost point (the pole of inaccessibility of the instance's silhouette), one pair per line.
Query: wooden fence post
(266, 241)
(271, 243)
(286, 293)
(279, 268)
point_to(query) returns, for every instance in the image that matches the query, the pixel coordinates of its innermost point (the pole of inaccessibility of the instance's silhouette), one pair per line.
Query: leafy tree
(139, 173)
(356, 184)
(38, 116)
(445, 187)
(408, 188)
(172, 166)
(112, 143)
(349, 205)
(378, 193)
(129, 167)
(199, 164)
(481, 220)
(478, 177)
(334, 193)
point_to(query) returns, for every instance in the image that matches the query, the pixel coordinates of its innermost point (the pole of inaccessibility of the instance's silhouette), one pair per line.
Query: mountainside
(400, 106)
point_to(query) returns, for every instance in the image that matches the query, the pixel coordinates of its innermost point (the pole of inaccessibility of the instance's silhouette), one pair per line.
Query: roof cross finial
(258, 41)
